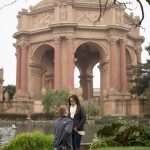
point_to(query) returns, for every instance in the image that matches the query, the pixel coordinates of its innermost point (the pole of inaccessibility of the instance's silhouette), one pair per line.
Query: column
(123, 68)
(89, 86)
(83, 84)
(18, 69)
(113, 77)
(57, 63)
(139, 50)
(70, 64)
(24, 54)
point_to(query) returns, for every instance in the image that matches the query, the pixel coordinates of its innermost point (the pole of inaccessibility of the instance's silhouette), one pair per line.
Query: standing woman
(78, 115)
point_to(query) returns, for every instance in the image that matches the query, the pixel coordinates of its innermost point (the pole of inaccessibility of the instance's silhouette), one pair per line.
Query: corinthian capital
(112, 41)
(122, 42)
(24, 45)
(17, 46)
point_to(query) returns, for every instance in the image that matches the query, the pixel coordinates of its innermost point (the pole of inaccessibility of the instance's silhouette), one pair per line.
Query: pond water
(9, 129)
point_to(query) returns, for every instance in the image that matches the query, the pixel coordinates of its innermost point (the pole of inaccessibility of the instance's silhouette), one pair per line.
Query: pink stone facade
(55, 36)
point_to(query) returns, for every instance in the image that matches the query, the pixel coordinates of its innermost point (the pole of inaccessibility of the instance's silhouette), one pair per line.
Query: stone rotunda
(55, 36)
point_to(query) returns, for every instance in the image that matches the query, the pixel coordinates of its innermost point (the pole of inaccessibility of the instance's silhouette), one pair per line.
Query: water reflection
(9, 129)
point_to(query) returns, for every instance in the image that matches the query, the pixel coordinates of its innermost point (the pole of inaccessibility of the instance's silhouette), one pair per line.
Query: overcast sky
(8, 24)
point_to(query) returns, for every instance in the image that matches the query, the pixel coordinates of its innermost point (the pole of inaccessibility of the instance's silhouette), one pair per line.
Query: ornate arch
(102, 49)
(37, 54)
(132, 54)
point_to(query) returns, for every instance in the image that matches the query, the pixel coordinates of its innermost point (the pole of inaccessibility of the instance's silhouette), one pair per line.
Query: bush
(11, 89)
(91, 108)
(107, 120)
(109, 130)
(30, 141)
(52, 99)
(124, 135)
(132, 120)
(103, 142)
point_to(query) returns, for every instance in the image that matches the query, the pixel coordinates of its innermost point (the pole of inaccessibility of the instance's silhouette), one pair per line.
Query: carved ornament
(88, 17)
(43, 19)
(121, 42)
(63, 13)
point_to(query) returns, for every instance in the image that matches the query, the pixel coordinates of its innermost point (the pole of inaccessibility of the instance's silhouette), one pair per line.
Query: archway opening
(88, 56)
(96, 82)
(76, 78)
(42, 70)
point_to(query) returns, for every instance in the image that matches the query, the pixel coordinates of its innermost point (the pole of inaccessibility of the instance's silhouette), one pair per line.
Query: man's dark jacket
(63, 132)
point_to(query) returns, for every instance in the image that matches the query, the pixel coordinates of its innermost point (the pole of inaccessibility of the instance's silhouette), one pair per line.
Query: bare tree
(126, 4)
(7, 4)
(140, 2)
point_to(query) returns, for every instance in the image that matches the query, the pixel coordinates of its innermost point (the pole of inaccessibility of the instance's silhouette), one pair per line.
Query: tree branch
(100, 10)
(8, 4)
(148, 1)
(142, 11)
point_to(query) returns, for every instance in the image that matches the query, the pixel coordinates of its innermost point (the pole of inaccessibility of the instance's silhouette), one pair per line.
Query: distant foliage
(142, 79)
(132, 120)
(52, 99)
(91, 108)
(30, 141)
(11, 89)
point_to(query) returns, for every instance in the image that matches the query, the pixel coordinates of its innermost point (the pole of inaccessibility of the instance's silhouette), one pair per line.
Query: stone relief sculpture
(88, 17)
(43, 19)
(119, 16)
(63, 13)
(6, 96)
(43, 90)
(19, 22)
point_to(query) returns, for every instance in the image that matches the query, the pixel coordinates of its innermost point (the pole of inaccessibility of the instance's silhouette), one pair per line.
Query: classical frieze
(119, 16)
(42, 19)
(63, 13)
(88, 17)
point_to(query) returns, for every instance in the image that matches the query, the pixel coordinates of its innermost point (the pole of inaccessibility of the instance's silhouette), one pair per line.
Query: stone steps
(85, 146)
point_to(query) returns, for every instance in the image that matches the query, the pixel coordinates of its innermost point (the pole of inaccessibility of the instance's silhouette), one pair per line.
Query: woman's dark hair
(76, 99)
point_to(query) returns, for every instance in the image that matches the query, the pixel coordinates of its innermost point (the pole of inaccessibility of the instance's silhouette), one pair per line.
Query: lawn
(125, 148)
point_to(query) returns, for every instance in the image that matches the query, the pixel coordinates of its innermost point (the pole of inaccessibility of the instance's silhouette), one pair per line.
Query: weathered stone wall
(1, 84)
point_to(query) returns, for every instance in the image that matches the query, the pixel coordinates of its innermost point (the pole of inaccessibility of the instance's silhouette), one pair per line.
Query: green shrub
(52, 99)
(130, 135)
(132, 120)
(145, 137)
(30, 141)
(125, 134)
(109, 130)
(91, 108)
(11, 89)
(103, 142)
(106, 120)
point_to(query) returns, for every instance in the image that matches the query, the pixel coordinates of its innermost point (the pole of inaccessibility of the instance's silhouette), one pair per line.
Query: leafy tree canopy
(11, 89)
(142, 79)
